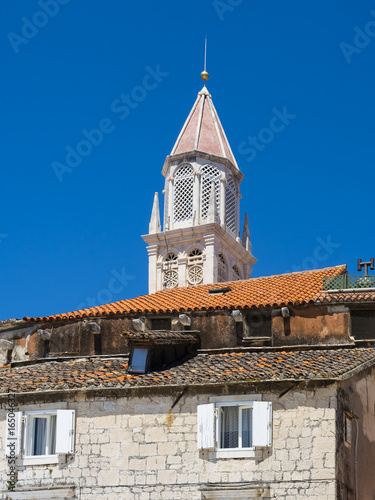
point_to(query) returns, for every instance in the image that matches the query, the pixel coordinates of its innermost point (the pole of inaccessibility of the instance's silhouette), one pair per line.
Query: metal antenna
(205, 52)
(204, 74)
(366, 265)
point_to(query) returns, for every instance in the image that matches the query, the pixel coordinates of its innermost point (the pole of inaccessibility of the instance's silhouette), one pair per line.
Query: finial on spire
(204, 74)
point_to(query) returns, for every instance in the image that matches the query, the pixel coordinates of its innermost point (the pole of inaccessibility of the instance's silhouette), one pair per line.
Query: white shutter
(13, 438)
(65, 420)
(262, 424)
(206, 426)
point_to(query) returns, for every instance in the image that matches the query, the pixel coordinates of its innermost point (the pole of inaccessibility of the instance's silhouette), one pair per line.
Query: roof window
(138, 362)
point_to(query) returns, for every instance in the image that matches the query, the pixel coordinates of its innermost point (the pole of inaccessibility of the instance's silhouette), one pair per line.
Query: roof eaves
(187, 384)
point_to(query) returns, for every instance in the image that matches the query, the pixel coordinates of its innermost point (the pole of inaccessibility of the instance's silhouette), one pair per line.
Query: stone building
(214, 386)
(261, 388)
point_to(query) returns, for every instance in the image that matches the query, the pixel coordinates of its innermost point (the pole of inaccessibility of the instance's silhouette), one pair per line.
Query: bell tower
(200, 242)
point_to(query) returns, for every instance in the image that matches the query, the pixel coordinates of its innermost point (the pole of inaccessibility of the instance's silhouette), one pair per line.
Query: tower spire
(246, 243)
(204, 74)
(154, 226)
(200, 242)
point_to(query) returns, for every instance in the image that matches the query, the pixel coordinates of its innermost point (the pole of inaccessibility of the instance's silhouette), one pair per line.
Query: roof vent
(184, 319)
(44, 334)
(6, 344)
(216, 291)
(139, 325)
(94, 327)
(237, 316)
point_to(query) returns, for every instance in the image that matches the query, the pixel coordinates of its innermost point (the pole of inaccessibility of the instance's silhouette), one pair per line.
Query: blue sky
(72, 239)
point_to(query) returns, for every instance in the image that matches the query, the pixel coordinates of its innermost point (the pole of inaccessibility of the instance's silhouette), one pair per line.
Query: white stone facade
(190, 226)
(137, 448)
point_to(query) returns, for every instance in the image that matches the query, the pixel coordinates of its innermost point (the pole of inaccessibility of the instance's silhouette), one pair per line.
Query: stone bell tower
(200, 242)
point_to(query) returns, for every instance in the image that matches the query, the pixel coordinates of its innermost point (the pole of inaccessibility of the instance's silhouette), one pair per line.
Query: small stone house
(259, 388)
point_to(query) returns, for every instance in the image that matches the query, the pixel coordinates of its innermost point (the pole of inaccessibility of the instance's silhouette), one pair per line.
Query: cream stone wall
(137, 448)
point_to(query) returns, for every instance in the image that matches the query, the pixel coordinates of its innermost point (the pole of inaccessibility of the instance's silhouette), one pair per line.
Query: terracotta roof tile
(162, 336)
(346, 296)
(245, 366)
(292, 288)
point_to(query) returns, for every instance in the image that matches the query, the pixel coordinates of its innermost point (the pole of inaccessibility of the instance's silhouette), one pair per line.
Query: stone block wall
(137, 448)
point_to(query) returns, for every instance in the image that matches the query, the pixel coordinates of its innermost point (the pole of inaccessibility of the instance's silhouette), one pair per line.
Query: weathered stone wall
(73, 338)
(357, 395)
(136, 447)
(217, 329)
(311, 325)
(306, 325)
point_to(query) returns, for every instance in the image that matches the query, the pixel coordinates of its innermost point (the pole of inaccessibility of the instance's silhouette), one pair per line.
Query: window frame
(240, 406)
(348, 429)
(208, 427)
(146, 361)
(29, 432)
(156, 323)
(20, 431)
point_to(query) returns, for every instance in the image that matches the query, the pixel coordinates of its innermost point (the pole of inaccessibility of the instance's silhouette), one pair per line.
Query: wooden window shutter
(13, 439)
(206, 426)
(65, 420)
(262, 424)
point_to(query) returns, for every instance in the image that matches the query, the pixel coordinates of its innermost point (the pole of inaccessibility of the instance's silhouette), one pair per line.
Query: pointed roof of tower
(203, 131)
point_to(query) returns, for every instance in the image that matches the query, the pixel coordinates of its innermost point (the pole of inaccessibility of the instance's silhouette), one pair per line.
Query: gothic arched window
(209, 174)
(236, 273)
(221, 268)
(195, 267)
(170, 273)
(183, 193)
(231, 204)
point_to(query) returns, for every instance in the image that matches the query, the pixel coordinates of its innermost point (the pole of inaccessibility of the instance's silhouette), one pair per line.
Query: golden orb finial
(205, 76)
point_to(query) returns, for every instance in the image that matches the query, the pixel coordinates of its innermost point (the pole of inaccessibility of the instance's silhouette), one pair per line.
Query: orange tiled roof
(293, 289)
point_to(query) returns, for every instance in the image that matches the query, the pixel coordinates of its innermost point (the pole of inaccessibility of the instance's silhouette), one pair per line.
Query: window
(231, 204)
(161, 324)
(170, 275)
(363, 324)
(209, 174)
(46, 347)
(235, 426)
(348, 427)
(236, 273)
(259, 324)
(40, 434)
(183, 193)
(98, 344)
(195, 267)
(39, 437)
(221, 268)
(138, 363)
(234, 429)
(171, 257)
